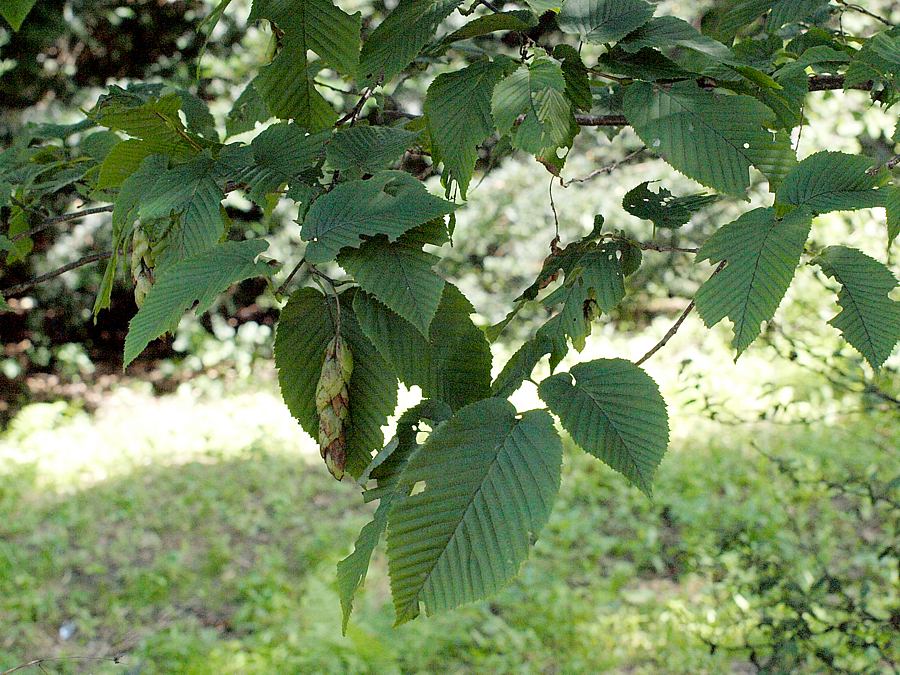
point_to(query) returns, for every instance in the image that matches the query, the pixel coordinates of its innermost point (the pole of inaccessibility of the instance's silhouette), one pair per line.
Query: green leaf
(614, 411)
(490, 480)
(400, 37)
(368, 149)
(453, 365)
(155, 122)
(278, 156)
(315, 25)
(536, 91)
(520, 366)
(247, 110)
(289, 92)
(520, 19)
(304, 330)
(663, 208)
(594, 283)
(668, 31)
(711, 138)
(792, 11)
(458, 110)
(15, 11)
(578, 84)
(400, 276)
(4, 306)
(869, 320)
(195, 281)
(602, 21)
(541, 6)
(878, 60)
(122, 161)
(352, 570)
(831, 181)
(192, 192)
(391, 202)
(285, 85)
(762, 253)
(892, 206)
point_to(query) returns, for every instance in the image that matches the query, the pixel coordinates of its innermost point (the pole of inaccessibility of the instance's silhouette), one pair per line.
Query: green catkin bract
(141, 266)
(333, 405)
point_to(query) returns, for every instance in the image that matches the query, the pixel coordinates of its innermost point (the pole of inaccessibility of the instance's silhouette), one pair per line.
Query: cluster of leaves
(467, 483)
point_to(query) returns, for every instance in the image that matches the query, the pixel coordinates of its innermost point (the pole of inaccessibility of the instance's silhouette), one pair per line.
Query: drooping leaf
(869, 320)
(390, 203)
(537, 92)
(400, 275)
(192, 282)
(578, 85)
(613, 410)
(490, 480)
(831, 181)
(709, 137)
(892, 206)
(304, 330)
(663, 208)
(352, 570)
(368, 149)
(15, 11)
(190, 191)
(453, 365)
(762, 253)
(400, 37)
(458, 110)
(602, 21)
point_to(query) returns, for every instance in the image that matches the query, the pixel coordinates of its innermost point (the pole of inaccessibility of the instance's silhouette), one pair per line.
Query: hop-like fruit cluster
(333, 405)
(141, 265)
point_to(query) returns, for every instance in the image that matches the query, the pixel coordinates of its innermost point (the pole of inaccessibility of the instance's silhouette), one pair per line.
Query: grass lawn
(210, 547)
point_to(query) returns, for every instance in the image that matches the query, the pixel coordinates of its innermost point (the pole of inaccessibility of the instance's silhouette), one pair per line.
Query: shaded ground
(212, 550)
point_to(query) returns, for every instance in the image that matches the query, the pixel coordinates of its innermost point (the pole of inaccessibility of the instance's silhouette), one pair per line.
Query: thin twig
(353, 115)
(31, 283)
(553, 208)
(75, 215)
(674, 329)
(661, 248)
(39, 662)
(863, 10)
(281, 289)
(608, 169)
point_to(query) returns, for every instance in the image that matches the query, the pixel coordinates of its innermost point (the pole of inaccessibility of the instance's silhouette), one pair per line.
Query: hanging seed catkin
(141, 266)
(332, 405)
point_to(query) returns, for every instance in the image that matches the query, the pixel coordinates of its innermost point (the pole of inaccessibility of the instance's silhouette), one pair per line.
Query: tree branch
(31, 283)
(75, 215)
(863, 10)
(674, 329)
